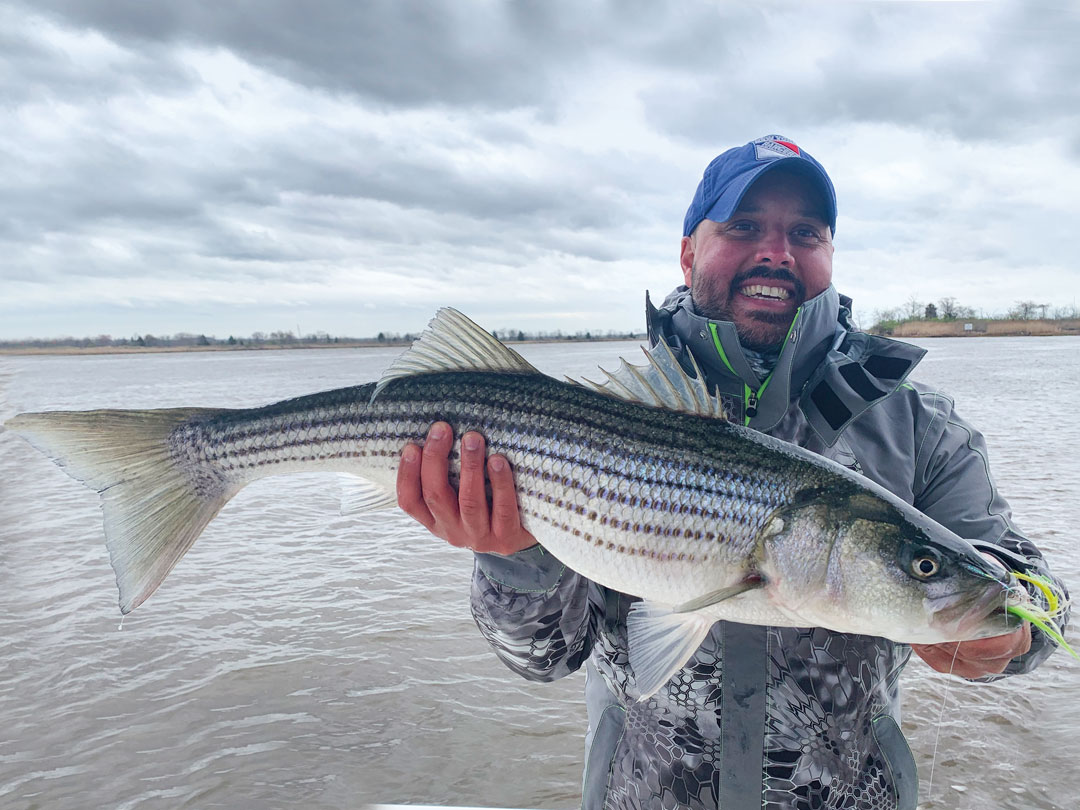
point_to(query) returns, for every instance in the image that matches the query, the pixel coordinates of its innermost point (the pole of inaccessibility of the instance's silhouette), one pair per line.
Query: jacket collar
(833, 371)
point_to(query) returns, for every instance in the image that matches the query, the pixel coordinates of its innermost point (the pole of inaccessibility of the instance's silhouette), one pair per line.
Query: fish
(638, 483)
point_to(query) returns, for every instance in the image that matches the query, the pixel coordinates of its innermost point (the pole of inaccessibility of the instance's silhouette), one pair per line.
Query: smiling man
(775, 717)
(756, 267)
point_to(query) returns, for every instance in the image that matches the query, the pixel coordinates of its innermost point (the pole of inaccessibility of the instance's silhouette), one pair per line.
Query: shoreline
(907, 329)
(355, 344)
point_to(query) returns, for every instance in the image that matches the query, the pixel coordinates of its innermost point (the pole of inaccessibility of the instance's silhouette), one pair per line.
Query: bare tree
(913, 308)
(949, 308)
(1023, 310)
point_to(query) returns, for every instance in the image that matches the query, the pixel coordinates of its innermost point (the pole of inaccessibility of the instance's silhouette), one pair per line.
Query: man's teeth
(761, 291)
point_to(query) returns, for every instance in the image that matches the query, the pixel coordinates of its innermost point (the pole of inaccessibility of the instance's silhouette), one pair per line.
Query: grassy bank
(979, 328)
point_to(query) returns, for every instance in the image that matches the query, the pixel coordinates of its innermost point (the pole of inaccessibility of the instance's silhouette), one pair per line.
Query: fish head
(854, 562)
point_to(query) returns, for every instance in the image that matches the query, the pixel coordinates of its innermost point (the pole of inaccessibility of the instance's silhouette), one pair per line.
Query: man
(773, 717)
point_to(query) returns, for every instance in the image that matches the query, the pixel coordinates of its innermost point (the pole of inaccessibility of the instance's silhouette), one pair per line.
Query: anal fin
(360, 495)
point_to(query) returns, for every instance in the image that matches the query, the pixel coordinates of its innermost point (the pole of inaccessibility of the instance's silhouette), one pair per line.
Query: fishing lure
(1043, 618)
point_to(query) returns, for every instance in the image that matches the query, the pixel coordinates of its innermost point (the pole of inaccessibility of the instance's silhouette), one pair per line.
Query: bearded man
(775, 717)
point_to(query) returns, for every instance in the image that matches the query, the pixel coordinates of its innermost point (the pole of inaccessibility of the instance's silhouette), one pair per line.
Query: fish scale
(581, 461)
(555, 457)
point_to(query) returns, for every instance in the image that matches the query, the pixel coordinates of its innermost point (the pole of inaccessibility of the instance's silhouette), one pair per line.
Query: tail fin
(153, 511)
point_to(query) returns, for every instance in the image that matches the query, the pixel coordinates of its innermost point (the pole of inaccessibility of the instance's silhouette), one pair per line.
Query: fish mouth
(963, 616)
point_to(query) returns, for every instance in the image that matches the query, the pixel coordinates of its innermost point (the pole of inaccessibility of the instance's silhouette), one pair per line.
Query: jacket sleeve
(539, 616)
(954, 486)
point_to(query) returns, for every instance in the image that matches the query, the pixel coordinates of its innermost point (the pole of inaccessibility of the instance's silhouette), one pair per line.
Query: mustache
(766, 273)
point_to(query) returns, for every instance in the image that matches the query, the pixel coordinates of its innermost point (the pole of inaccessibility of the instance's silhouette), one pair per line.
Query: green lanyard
(750, 396)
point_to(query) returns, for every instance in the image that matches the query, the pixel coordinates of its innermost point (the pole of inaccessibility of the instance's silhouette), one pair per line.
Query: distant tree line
(949, 309)
(289, 339)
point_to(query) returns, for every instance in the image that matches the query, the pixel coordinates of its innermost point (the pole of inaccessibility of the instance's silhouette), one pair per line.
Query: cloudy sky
(348, 166)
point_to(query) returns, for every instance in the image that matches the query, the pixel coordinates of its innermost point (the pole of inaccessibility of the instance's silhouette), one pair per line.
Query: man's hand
(974, 659)
(461, 518)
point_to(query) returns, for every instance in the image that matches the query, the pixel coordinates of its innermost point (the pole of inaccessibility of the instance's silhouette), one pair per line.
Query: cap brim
(725, 207)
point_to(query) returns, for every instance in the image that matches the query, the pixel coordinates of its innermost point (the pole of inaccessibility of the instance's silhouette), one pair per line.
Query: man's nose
(775, 249)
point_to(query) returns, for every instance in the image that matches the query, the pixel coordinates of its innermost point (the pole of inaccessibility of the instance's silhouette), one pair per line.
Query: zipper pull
(751, 404)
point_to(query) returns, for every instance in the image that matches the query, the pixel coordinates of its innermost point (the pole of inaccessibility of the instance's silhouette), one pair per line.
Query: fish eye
(925, 564)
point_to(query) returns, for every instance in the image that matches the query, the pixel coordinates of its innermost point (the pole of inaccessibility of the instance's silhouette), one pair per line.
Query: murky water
(300, 658)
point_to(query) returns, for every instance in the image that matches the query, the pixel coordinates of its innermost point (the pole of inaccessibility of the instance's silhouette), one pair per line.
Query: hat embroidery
(775, 146)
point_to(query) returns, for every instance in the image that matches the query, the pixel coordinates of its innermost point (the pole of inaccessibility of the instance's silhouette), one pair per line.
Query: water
(296, 657)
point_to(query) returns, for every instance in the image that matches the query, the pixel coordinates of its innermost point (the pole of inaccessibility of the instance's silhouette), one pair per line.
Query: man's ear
(686, 259)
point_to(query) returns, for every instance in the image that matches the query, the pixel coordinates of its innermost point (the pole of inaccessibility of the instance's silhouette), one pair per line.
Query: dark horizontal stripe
(432, 402)
(522, 424)
(669, 468)
(691, 504)
(739, 487)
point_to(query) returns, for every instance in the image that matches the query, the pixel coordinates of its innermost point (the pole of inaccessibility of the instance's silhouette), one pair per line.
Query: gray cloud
(517, 158)
(975, 71)
(32, 68)
(399, 52)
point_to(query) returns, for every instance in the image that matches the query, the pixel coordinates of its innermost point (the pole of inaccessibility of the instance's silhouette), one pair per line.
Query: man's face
(760, 266)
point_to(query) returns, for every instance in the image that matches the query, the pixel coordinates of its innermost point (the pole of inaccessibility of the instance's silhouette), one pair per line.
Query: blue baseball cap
(728, 177)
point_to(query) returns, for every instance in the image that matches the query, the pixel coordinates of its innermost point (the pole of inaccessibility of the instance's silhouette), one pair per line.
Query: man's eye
(742, 226)
(806, 233)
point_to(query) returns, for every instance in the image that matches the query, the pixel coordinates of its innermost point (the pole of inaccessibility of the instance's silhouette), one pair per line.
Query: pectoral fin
(719, 596)
(660, 641)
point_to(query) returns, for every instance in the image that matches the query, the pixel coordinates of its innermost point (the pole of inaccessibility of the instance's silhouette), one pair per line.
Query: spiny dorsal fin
(662, 383)
(452, 342)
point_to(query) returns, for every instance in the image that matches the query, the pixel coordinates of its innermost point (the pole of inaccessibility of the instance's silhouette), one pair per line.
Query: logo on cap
(775, 146)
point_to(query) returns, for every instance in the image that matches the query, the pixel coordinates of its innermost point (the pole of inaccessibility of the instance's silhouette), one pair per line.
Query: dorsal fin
(453, 342)
(661, 383)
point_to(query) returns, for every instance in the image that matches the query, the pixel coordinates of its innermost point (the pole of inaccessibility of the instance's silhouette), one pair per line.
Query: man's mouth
(765, 292)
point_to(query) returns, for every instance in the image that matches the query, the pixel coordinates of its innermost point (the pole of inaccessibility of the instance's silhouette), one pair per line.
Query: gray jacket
(771, 716)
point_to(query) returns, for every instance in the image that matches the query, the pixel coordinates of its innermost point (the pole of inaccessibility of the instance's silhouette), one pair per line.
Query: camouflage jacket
(776, 717)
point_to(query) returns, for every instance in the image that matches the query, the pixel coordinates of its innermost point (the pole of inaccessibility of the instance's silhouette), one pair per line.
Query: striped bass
(638, 484)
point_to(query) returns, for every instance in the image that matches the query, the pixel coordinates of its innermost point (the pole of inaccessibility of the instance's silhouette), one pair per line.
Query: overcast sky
(348, 166)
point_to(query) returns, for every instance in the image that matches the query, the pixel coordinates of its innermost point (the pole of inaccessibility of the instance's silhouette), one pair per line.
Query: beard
(757, 331)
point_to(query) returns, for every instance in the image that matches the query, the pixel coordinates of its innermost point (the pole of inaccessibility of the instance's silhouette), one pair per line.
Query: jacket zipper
(751, 404)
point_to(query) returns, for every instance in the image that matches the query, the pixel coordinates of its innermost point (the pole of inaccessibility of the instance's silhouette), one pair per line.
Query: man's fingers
(973, 659)
(439, 496)
(1007, 646)
(410, 495)
(462, 517)
(504, 509)
(472, 498)
(509, 535)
